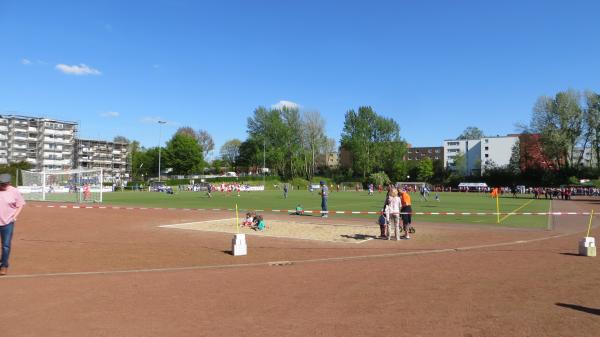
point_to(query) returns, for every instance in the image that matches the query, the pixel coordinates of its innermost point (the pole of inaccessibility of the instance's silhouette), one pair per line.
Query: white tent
(472, 185)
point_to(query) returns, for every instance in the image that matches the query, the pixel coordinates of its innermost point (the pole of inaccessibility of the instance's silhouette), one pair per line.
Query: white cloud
(80, 69)
(110, 114)
(285, 104)
(25, 62)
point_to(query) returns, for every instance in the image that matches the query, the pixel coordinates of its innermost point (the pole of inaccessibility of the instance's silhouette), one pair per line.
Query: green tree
(374, 141)
(206, 142)
(379, 178)
(230, 152)
(266, 127)
(471, 132)
(183, 154)
(559, 121)
(218, 166)
(514, 163)
(14, 169)
(592, 123)
(315, 141)
(459, 164)
(250, 155)
(144, 161)
(425, 170)
(121, 139)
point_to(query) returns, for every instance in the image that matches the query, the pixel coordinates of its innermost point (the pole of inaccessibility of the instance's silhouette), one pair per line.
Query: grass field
(351, 201)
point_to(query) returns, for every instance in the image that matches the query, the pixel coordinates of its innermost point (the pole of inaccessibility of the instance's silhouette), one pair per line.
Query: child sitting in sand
(249, 220)
(259, 223)
(299, 210)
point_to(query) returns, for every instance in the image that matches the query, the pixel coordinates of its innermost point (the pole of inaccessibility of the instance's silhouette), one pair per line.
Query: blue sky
(435, 66)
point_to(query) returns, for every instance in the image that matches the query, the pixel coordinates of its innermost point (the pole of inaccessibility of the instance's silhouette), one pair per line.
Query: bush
(299, 183)
(379, 178)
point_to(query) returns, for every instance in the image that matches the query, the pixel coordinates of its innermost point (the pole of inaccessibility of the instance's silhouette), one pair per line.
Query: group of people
(397, 206)
(254, 221)
(11, 204)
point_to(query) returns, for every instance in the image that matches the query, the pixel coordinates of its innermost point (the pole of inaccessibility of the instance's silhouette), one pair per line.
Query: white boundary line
(271, 263)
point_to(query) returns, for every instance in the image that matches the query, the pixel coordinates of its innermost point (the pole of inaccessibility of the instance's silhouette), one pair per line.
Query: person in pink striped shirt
(11, 204)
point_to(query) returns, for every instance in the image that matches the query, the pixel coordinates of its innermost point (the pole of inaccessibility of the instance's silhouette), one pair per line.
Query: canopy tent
(472, 185)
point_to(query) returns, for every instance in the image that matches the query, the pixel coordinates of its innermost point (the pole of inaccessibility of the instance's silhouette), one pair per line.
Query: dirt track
(529, 289)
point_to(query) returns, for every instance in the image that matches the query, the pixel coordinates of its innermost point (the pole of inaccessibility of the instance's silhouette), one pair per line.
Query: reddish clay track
(537, 288)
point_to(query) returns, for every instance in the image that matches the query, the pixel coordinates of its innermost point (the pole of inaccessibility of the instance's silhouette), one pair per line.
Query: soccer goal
(351, 186)
(78, 185)
(413, 186)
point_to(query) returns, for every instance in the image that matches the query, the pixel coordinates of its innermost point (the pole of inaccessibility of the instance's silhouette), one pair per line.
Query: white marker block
(239, 245)
(587, 246)
(589, 241)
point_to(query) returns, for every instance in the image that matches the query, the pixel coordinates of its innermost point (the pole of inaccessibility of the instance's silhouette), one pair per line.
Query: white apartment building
(3, 140)
(110, 156)
(496, 151)
(479, 153)
(470, 148)
(49, 144)
(44, 143)
(588, 159)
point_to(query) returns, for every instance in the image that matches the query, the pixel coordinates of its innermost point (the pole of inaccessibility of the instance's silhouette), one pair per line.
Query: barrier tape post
(590, 223)
(237, 219)
(497, 209)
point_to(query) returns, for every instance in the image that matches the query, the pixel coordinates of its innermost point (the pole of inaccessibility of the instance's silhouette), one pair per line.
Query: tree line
(293, 144)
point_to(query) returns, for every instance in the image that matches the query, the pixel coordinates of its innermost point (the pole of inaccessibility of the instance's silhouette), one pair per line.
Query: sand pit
(343, 233)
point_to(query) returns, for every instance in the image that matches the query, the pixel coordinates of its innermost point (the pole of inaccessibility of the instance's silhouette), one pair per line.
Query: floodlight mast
(264, 160)
(160, 123)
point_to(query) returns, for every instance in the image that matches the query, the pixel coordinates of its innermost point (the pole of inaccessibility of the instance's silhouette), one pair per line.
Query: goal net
(351, 186)
(79, 185)
(414, 186)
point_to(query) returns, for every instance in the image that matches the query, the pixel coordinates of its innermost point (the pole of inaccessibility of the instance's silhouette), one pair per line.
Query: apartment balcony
(17, 156)
(32, 129)
(31, 161)
(3, 137)
(56, 141)
(3, 128)
(18, 129)
(19, 138)
(58, 132)
(56, 162)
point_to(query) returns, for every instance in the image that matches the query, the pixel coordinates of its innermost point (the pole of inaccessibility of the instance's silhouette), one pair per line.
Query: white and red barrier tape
(309, 212)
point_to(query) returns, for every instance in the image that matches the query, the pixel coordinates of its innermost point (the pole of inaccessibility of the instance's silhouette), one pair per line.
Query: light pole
(264, 160)
(160, 123)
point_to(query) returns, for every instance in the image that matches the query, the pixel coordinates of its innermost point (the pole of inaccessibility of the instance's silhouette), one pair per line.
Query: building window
(487, 155)
(453, 143)
(487, 148)
(453, 150)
